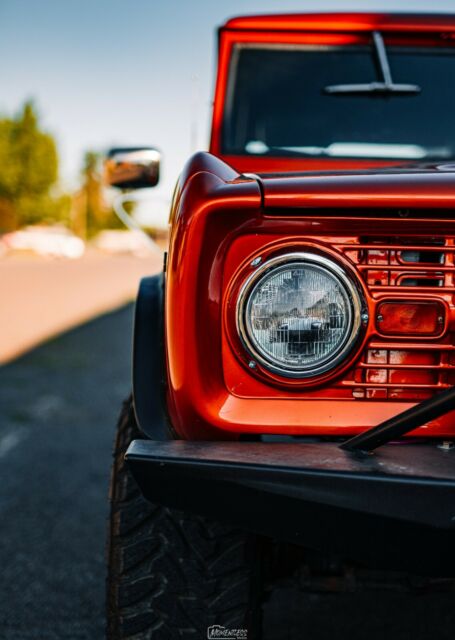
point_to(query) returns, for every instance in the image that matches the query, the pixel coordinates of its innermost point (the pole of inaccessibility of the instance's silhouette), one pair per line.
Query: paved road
(41, 297)
(58, 406)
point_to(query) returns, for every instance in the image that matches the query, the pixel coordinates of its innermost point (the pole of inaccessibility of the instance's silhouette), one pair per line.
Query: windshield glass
(279, 103)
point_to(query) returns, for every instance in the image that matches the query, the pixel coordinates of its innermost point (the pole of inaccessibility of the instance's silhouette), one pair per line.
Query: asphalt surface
(58, 407)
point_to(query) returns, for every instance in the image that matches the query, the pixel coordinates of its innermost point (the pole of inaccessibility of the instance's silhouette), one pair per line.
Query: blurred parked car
(56, 242)
(118, 241)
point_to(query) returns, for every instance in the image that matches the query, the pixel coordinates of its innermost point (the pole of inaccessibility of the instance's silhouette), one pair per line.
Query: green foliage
(28, 170)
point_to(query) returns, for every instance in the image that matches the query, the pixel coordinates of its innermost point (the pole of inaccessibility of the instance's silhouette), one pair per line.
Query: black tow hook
(403, 423)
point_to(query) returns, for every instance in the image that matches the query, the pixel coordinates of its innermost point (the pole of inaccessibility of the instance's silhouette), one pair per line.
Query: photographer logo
(218, 632)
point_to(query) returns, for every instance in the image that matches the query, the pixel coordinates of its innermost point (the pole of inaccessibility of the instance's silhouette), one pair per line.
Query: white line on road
(11, 440)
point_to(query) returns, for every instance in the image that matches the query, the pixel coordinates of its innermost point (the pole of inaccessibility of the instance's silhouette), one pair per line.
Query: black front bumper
(394, 510)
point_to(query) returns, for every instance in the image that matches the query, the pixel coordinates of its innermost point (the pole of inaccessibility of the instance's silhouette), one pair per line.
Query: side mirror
(132, 167)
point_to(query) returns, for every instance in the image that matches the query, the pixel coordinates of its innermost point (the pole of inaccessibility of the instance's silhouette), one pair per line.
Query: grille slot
(420, 281)
(422, 257)
(385, 263)
(401, 368)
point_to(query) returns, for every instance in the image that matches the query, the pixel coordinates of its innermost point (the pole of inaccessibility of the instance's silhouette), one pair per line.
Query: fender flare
(148, 368)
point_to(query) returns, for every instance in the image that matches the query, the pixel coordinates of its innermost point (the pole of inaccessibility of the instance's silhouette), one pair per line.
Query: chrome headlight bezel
(283, 262)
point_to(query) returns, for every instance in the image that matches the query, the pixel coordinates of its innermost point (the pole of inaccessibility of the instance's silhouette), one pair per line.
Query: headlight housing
(299, 315)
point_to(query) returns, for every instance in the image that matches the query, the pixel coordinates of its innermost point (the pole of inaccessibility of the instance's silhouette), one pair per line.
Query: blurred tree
(90, 213)
(29, 169)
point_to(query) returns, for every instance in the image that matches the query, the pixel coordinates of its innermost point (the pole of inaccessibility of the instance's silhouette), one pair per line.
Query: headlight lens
(299, 315)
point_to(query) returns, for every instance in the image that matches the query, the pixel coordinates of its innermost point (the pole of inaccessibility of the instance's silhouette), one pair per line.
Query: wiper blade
(380, 88)
(388, 151)
(366, 150)
(386, 87)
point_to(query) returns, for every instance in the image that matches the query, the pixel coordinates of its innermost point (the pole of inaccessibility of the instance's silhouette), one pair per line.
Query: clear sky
(129, 72)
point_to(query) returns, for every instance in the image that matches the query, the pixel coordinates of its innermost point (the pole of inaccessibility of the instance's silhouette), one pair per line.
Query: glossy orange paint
(365, 221)
(220, 226)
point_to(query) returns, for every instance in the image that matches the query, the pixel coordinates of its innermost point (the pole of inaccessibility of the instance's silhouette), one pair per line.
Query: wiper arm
(381, 53)
(386, 87)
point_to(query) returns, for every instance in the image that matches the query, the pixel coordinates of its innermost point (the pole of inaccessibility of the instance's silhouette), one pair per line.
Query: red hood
(397, 187)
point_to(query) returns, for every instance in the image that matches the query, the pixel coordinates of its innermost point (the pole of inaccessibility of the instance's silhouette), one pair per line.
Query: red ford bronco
(294, 364)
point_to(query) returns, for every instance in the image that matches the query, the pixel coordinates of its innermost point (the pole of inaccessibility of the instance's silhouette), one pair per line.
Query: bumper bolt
(365, 317)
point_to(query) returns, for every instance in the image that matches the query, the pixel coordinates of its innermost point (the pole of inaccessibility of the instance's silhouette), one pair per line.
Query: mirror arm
(129, 221)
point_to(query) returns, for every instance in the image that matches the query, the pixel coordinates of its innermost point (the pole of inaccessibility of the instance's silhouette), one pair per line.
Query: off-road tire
(172, 574)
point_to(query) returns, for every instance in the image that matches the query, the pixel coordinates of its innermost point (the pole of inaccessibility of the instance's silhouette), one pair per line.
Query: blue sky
(107, 72)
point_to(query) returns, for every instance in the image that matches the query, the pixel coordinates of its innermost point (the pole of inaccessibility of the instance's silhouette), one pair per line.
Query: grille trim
(380, 265)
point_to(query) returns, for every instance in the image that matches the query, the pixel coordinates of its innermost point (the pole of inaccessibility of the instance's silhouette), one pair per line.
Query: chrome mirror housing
(132, 167)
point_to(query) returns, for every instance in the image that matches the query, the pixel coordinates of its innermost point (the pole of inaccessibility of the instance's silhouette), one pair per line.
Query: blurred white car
(56, 242)
(119, 241)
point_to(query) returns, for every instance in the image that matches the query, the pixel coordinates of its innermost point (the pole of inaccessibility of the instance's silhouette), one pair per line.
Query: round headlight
(299, 315)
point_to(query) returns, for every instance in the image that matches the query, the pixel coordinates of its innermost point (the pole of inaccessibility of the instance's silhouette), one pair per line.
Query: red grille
(405, 268)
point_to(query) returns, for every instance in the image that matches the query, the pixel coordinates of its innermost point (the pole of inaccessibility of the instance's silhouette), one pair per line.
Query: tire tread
(171, 574)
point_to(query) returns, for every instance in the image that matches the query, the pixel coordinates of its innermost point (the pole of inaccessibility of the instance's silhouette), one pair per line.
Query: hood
(409, 187)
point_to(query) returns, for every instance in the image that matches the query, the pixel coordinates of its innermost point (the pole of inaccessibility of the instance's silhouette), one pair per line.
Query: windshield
(332, 102)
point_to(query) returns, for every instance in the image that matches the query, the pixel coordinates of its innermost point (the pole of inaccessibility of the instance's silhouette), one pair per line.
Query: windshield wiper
(386, 87)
